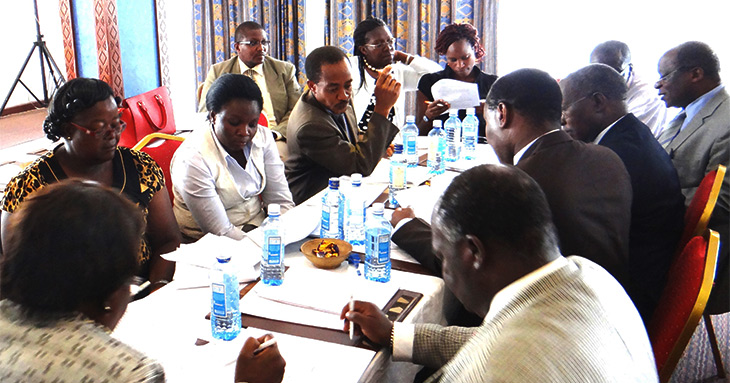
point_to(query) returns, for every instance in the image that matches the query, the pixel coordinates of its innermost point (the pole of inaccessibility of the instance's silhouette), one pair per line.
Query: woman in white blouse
(225, 174)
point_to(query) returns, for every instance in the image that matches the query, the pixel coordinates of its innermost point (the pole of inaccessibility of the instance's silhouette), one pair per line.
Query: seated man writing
(546, 318)
(322, 135)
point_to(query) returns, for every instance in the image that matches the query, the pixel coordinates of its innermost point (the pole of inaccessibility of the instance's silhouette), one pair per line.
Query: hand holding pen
(260, 361)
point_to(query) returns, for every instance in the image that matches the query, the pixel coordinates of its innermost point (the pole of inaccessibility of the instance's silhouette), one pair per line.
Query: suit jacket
(657, 211)
(589, 193)
(574, 324)
(318, 149)
(281, 83)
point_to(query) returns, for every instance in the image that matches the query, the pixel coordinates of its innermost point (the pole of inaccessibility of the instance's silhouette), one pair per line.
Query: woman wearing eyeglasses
(374, 50)
(85, 117)
(460, 44)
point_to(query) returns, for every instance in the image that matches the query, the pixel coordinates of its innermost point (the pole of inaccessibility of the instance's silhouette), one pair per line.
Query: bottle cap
(274, 209)
(410, 119)
(334, 183)
(437, 124)
(453, 112)
(356, 179)
(378, 208)
(471, 110)
(223, 258)
(398, 148)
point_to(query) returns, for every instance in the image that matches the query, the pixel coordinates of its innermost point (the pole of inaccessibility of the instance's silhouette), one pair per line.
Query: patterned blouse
(74, 349)
(134, 173)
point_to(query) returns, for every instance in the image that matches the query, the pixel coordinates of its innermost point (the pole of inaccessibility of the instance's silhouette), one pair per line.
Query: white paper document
(314, 297)
(459, 94)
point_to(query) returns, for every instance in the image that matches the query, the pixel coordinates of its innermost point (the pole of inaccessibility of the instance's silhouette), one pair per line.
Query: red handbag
(146, 113)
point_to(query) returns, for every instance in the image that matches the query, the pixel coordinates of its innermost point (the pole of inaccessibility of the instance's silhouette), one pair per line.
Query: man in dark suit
(322, 135)
(587, 186)
(698, 140)
(594, 111)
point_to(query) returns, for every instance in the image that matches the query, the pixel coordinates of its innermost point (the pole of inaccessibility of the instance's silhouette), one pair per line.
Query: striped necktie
(250, 73)
(672, 130)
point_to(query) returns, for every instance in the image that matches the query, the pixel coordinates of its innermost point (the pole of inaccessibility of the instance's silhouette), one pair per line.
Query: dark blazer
(318, 149)
(657, 212)
(589, 193)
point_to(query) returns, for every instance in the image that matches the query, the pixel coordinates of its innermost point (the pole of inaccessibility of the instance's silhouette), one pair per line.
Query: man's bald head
(615, 54)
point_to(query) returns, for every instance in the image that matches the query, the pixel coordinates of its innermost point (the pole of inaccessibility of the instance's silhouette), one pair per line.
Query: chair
(683, 301)
(162, 153)
(263, 120)
(700, 208)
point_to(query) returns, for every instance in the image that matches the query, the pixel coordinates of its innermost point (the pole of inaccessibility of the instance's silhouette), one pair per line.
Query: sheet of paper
(245, 255)
(314, 297)
(459, 94)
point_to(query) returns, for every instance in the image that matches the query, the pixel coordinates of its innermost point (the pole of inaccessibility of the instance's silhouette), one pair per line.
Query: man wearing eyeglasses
(641, 98)
(698, 139)
(276, 78)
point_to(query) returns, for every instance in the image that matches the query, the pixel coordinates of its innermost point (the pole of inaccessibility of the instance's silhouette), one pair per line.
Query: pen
(264, 345)
(352, 325)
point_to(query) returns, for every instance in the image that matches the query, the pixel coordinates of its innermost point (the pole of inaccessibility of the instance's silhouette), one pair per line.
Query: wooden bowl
(308, 247)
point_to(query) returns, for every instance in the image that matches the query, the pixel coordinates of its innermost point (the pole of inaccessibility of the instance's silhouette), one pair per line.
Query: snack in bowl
(326, 253)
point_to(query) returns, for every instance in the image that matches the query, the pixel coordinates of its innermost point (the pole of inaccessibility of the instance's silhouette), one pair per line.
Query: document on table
(245, 254)
(459, 94)
(314, 297)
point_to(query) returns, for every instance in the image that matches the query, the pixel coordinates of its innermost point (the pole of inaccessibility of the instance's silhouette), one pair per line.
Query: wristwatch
(425, 119)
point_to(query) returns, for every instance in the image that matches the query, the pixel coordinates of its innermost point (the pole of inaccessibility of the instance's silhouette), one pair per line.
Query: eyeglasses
(103, 131)
(565, 108)
(670, 74)
(387, 43)
(255, 43)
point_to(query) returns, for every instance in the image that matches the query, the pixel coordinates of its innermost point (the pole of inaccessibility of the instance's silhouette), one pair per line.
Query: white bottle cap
(378, 208)
(471, 110)
(453, 112)
(437, 123)
(274, 209)
(410, 119)
(356, 179)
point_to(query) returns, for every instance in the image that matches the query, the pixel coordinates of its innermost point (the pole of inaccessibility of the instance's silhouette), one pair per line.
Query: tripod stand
(45, 60)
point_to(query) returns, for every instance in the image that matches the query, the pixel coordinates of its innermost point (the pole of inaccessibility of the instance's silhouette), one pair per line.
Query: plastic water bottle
(377, 245)
(272, 261)
(470, 127)
(436, 149)
(410, 134)
(355, 215)
(398, 166)
(225, 314)
(452, 126)
(332, 211)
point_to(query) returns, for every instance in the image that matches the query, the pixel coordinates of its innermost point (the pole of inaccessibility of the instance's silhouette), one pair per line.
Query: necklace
(367, 65)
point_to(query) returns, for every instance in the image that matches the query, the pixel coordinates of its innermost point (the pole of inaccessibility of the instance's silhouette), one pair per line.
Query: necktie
(250, 73)
(342, 124)
(672, 130)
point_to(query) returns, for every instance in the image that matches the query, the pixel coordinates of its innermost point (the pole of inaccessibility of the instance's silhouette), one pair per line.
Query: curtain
(215, 23)
(415, 23)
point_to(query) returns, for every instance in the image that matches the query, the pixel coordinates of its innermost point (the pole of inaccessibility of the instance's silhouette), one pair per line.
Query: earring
(477, 265)
(107, 309)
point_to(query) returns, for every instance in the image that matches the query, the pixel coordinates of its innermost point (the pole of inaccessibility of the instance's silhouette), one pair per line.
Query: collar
(504, 296)
(695, 106)
(449, 73)
(256, 141)
(518, 155)
(599, 137)
(259, 69)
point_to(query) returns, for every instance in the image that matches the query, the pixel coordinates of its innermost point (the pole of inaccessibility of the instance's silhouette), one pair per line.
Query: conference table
(170, 325)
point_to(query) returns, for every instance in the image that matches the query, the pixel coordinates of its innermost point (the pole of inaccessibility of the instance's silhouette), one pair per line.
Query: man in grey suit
(698, 139)
(546, 318)
(323, 138)
(276, 78)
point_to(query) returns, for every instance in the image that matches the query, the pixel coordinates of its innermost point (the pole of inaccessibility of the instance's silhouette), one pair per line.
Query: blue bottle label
(219, 300)
(325, 218)
(411, 144)
(274, 252)
(383, 248)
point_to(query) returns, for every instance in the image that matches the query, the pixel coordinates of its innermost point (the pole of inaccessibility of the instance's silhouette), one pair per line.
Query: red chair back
(700, 208)
(162, 154)
(683, 301)
(263, 120)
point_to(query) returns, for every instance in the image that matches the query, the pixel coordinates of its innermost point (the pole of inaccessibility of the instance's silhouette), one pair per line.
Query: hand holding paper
(459, 94)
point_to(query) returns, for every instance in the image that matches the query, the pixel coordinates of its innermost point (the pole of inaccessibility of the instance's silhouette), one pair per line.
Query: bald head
(593, 98)
(615, 54)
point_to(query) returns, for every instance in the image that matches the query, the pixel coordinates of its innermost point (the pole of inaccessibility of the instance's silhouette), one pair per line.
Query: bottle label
(325, 218)
(383, 248)
(433, 148)
(219, 300)
(411, 145)
(399, 177)
(274, 250)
